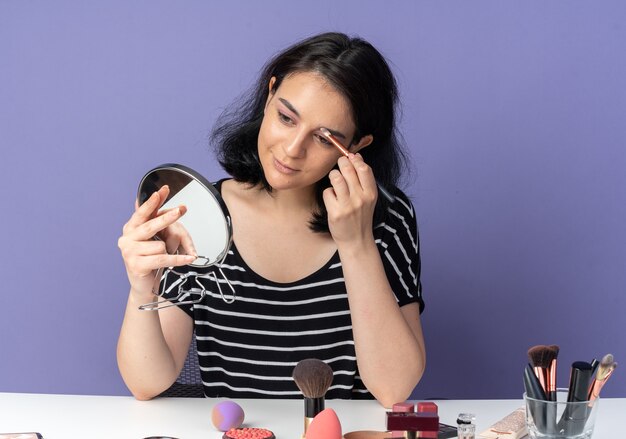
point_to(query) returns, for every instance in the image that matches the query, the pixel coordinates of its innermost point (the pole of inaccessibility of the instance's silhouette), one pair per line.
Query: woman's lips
(282, 168)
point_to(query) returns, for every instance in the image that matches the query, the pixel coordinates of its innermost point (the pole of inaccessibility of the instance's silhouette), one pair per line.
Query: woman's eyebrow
(336, 134)
(291, 108)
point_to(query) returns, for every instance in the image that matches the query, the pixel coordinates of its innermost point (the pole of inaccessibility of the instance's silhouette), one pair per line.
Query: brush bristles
(556, 349)
(607, 360)
(542, 355)
(606, 367)
(313, 377)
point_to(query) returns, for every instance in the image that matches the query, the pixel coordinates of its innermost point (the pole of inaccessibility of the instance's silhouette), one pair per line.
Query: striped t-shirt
(249, 348)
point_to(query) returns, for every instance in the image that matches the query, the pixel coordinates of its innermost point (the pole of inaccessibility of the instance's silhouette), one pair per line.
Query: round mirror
(207, 220)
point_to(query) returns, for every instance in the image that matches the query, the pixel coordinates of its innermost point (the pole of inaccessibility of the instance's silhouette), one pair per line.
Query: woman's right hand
(143, 254)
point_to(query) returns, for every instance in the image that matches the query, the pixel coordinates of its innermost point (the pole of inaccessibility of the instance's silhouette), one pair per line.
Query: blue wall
(514, 112)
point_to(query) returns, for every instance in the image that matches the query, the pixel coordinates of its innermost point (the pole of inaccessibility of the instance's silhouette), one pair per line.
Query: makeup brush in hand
(313, 377)
(543, 360)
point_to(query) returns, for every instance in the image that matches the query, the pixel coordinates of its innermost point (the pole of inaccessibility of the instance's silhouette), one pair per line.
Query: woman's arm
(152, 345)
(388, 339)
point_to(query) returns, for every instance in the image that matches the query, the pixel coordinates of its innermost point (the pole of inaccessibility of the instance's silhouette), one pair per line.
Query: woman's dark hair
(357, 71)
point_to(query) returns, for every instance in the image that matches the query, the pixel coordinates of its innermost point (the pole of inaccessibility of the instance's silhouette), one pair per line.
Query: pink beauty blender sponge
(226, 415)
(324, 426)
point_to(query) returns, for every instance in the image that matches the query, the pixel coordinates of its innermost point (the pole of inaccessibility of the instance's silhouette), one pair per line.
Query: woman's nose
(296, 146)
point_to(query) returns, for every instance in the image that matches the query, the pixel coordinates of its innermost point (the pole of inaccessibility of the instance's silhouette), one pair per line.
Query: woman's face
(293, 152)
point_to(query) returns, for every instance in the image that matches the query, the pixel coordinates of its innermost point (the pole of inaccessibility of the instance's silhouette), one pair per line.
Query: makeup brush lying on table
(313, 377)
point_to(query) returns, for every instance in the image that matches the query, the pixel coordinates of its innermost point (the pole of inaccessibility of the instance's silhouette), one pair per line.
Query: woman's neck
(289, 201)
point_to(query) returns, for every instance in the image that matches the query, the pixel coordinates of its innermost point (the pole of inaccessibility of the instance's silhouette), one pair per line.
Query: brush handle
(579, 381)
(575, 416)
(602, 376)
(551, 392)
(532, 385)
(385, 193)
(312, 407)
(535, 391)
(594, 381)
(596, 387)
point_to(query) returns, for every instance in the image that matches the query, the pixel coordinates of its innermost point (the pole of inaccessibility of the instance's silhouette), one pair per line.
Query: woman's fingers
(144, 257)
(132, 250)
(164, 192)
(339, 184)
(158, 224)
(365, 175)
(148, 209)
(354, 178)
(185, 241)
(148, 248)
(172, 242)
(349, 174)
(351, 199)
(147, 264)
(142, 213)
(330, 199)
(178, 239)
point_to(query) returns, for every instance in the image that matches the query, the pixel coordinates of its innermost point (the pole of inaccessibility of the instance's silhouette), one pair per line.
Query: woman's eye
(322, 139)
(284, 118)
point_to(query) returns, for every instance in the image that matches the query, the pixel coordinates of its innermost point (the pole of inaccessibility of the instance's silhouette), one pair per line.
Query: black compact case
(446, 431)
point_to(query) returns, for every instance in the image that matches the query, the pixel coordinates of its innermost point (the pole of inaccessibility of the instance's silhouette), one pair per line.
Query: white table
(121, 417)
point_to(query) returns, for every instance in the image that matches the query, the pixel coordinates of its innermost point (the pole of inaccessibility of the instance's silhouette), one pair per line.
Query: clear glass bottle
(465, 425)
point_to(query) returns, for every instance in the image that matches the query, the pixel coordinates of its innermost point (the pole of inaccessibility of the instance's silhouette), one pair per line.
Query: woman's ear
(365, 141)
(270, 87)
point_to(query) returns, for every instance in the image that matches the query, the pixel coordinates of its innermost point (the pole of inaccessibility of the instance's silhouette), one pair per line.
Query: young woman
(323, 267)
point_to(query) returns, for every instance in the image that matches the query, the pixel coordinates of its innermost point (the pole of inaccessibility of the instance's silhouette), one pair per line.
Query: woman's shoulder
(221, 183)
(231, 189)
(402, 204)
(399, 220)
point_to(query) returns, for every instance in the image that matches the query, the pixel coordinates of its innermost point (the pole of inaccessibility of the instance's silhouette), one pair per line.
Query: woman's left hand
(351, 200)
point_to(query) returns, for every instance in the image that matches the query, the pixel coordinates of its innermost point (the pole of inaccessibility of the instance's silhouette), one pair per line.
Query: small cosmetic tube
(575, 416)
(512, 426)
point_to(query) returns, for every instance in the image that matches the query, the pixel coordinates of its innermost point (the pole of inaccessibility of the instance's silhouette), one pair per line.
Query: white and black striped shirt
(248, 349)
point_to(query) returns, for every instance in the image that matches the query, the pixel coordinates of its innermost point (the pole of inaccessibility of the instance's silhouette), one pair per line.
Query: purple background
(515, 113)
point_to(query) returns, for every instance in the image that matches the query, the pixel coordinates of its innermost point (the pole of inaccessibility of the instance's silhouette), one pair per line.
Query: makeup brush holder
(560, 419)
